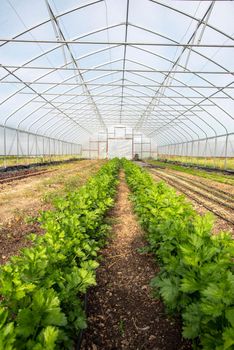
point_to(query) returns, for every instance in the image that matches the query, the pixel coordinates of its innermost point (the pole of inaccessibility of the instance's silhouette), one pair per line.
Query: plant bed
(42, 288)
(196, 277)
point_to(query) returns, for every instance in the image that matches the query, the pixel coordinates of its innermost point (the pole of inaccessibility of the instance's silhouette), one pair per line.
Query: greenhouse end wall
(118, 141)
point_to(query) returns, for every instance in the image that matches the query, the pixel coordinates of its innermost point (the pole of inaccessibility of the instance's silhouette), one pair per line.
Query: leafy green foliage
(43, 288)
(196, 276)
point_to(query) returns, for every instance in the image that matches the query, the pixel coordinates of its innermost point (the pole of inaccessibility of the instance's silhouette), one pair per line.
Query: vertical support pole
(198, 151)
(49, 151)
(43, 148)
(206, 159)
(141, 148)
(107, 145)
(46, 149)
(192, 150)
(215, 151)
(28, 150)
(187, 152)
(225, 153)
(17, 146)
(36, 146)
(5, 147)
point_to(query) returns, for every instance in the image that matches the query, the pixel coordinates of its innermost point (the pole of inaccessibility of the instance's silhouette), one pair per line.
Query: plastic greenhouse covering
(110, 78)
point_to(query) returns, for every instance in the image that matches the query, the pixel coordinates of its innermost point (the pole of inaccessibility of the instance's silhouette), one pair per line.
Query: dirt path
(121, 311)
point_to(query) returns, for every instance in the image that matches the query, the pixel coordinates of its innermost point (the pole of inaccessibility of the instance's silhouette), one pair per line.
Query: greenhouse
(116, 175)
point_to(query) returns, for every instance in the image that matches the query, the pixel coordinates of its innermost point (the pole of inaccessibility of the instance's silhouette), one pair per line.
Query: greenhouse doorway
(120, 148)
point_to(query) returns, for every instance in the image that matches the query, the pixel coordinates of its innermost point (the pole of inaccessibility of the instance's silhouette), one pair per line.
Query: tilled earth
(205, 195)
(23, 199)
(13, 237)
(122, 313)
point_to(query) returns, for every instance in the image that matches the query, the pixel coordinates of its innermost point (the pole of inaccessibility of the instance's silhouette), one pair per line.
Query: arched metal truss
(71, 69)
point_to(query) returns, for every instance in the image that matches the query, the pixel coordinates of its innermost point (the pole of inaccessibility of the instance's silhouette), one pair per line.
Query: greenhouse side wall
(21, 147)
(215, 152)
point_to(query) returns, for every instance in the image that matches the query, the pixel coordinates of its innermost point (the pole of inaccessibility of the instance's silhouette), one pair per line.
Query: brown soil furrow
(23, 176)
(203, 198)
(122, 314)
(206, 192)
(203, 185)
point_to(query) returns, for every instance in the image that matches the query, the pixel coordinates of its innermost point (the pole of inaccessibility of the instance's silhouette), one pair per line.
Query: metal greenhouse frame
(71, 70)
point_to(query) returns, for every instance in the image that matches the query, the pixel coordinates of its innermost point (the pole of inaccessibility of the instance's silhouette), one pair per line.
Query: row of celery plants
(196, 268)
(42, 290)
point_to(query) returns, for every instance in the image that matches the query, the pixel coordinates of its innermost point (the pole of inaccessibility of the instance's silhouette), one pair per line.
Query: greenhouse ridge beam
(116, 70)
(124, 62)
(138, 96)
(119, 85)
(132, 43)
